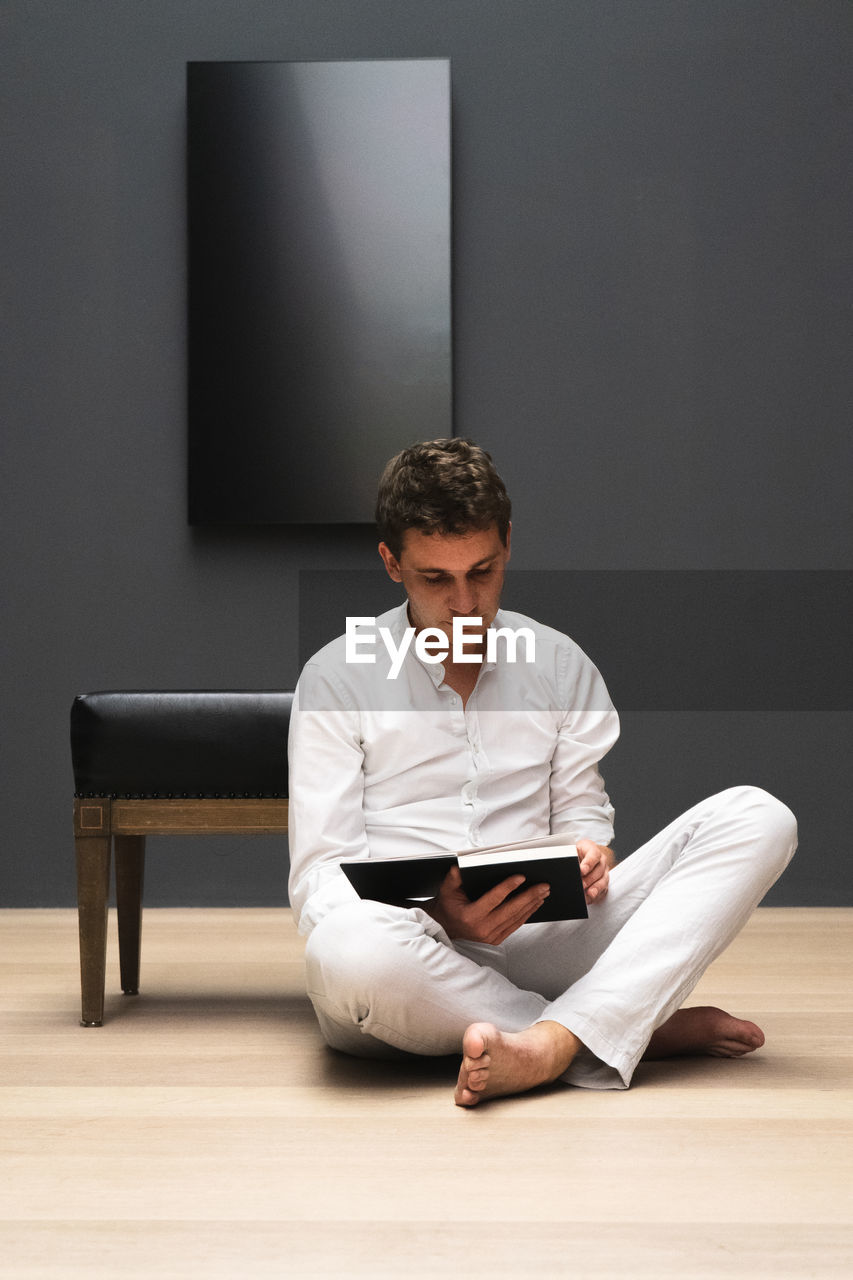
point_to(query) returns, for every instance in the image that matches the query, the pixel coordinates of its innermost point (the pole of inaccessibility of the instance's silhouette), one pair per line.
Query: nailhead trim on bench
(184, 795)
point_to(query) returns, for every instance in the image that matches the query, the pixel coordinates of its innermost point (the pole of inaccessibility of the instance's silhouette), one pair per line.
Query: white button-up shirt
(381, 767)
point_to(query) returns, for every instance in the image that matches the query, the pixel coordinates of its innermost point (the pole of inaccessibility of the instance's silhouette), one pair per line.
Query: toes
(477, 1064)
(474, 1043)
(733, 1048)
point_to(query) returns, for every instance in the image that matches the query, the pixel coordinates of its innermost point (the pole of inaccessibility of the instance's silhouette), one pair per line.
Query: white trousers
(388, 979)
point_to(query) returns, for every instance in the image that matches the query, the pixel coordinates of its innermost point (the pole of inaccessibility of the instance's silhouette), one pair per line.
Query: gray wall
(652, 210)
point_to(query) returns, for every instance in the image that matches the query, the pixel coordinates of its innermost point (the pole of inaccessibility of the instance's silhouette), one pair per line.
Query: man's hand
(596, 861)
(491, 918)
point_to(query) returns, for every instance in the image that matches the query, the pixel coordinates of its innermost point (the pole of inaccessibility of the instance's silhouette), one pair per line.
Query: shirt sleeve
(326, 783)
(589, 727)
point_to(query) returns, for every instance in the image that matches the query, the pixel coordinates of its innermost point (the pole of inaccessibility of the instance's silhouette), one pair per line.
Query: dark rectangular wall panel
(319, 282)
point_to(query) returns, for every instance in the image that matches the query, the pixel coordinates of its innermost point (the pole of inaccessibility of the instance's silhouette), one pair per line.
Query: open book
(406, 881)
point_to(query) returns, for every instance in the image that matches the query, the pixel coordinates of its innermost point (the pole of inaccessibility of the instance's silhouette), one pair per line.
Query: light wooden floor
(205, 1131)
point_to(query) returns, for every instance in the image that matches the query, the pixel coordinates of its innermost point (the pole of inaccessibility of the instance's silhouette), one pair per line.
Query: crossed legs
(579, 1001)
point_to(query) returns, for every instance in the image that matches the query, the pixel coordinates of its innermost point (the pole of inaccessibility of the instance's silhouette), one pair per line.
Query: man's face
(449, 575)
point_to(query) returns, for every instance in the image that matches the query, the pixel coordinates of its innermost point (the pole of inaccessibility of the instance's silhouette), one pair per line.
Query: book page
(480, 857)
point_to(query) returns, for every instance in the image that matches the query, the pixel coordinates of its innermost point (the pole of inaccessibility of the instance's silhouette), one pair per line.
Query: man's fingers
(499, 893)
(509, 914)
(593, 865)
(503, 925)
(595, 869)
(523, 904)
(587, 852)
(490, 918)
(597, 888)
(519, 910)
(493, 916)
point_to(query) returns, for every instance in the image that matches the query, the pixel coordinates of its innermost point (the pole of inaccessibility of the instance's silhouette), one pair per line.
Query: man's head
(440, 486)
(443, 517)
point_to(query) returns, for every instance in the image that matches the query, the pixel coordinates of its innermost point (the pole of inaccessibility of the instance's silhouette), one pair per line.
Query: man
(397, 751)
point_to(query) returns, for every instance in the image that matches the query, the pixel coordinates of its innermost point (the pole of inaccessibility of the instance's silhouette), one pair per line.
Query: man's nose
(463, 598)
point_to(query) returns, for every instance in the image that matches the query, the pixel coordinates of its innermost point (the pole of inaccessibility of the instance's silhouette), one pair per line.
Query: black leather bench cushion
(180, 744)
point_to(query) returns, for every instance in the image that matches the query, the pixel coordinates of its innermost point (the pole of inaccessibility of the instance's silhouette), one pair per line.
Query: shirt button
(453, 702)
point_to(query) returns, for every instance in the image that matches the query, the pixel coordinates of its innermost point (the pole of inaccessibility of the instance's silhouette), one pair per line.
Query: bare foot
(704, 1030)
(496, 1063)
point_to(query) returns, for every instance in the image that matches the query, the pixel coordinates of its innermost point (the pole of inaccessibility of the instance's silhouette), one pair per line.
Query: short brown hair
(440, 486)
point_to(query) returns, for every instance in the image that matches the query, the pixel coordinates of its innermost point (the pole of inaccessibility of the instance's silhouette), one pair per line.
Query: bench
(163, 763)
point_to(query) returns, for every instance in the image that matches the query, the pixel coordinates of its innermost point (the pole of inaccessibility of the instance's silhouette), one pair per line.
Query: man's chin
(470, 631)
(472, 640)
(471, 634)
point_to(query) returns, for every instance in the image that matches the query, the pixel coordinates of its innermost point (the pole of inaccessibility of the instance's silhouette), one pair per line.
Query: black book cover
(566, 900)
(406, 881)
(399, 880)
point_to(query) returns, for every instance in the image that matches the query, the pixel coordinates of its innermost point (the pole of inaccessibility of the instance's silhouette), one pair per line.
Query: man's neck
(461, 677)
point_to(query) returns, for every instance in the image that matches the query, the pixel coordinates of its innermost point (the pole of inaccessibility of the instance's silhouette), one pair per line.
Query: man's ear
(508, 536)
(391, 563)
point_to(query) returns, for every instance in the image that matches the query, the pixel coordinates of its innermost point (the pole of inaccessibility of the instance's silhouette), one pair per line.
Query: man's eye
(437, 578)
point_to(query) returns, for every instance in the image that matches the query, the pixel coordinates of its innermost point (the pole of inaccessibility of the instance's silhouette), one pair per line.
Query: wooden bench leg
(93, 894)
(130, 874)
